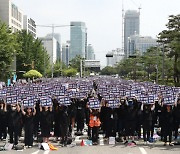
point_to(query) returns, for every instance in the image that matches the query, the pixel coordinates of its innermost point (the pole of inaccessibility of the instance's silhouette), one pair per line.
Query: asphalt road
(156, 148)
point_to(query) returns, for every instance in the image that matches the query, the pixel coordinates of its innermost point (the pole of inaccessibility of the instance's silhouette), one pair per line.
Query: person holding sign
(63, 124)
(29, 114)
(168, 123)
(45, 121)
(176, 113)
(3, 111)
(94, 123)
(14, 119)
(147, 114)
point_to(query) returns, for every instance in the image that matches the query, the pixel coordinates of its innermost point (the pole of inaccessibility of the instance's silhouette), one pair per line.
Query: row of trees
(28, 53)
(161, 63)
(20, 47)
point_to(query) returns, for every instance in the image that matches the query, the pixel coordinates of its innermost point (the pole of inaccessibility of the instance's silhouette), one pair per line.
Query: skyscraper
(11, 15)
(65, 53)
(57, 36)
(29, 25)
(78, 39)
(90, 52)
(140, 44)
(50, 44)
(131, 27)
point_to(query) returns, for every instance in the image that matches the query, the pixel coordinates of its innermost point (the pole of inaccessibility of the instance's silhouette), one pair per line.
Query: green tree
(8, 47)
(171, 40)
(108, 70)
(75, 62)
(70, 72)
(32, 54)
(57, 69)
(32, 74)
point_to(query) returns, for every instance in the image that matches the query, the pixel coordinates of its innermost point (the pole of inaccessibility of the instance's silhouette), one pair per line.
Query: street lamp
(53, 27)
(134, 56)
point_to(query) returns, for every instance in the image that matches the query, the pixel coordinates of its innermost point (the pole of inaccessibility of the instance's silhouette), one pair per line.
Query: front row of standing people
(126, 120)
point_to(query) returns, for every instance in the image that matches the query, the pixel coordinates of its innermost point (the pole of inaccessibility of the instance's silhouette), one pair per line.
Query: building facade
(50, 44)
(65, 53)
(114, 57)
(90, 52)
(57, 36)
(29, 25)
(131, 26)
(78, 39)
(11, 15)
(92, 65)
(139, 44)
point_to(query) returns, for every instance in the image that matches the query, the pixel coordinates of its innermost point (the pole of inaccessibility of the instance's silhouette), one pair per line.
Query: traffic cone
(82, 143)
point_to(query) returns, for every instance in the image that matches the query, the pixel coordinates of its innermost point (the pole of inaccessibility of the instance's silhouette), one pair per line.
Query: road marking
(143, 151)
(35, 152)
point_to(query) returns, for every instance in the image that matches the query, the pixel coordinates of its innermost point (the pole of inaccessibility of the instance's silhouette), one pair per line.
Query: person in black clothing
(3, 114)
(147, 121)
(107, 116)
(102, 116)
(139, 120)
(80, 116)
(131, 116)
(112, 122)
(121, 113)
(63, 124)
(14, 119)
(168, 123)
(36, 120)
(157, 114)
(87, 111)
(176, 113)
(72, 111)
(57, 132)
(46, 121)
(29, 114)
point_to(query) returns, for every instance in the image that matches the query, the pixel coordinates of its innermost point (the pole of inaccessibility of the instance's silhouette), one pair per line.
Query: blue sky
(102, 17)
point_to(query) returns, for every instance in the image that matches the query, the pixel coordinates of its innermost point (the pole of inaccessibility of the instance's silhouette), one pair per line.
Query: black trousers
(28, 140)
(3, 132)
(89, 132)
(176, 127)
(64, 133)
(168, 132)
(146, 130)
(130, 128)
(95, 134)
(80, 122)
(14, 134)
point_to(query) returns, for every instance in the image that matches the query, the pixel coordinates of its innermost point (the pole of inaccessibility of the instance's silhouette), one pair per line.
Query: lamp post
(53, 27)
(163, 64)
(134, 56)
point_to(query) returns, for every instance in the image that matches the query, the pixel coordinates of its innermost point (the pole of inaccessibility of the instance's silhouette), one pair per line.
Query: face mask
(13, 108)
(130, 103)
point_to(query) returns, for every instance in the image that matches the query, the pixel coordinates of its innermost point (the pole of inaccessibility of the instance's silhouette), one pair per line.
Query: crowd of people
(125, 122)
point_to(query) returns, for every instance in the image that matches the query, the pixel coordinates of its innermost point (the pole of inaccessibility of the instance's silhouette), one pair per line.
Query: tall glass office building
(78, 40)
(131, 27)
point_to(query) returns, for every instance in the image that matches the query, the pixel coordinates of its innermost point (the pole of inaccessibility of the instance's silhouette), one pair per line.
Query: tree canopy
(8, 46)
(32, 53)
(171, 40)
